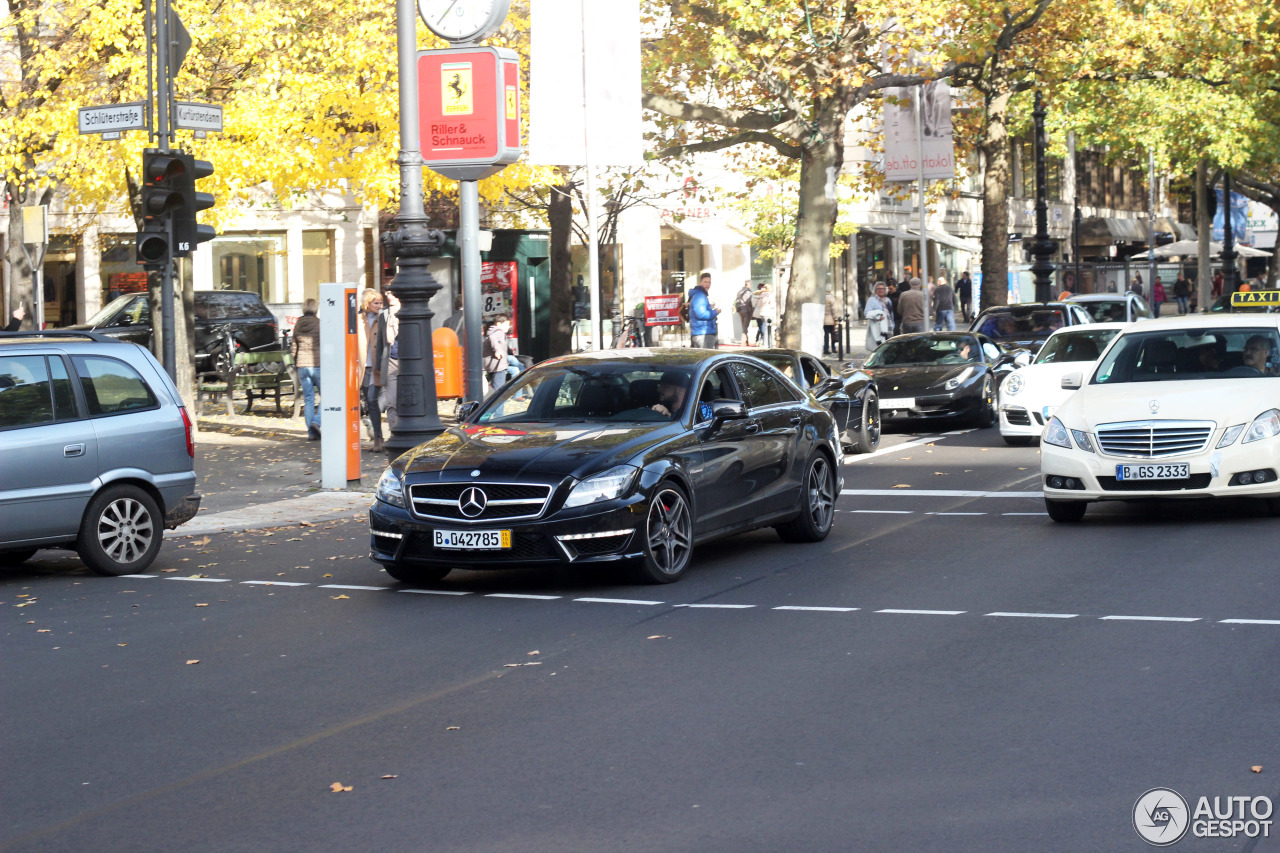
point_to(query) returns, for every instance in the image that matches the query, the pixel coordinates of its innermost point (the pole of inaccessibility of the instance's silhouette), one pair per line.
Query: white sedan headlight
(612, 484)
(1264, 425)
(955, 382)
(391, 488)
(1014, 384)
(1056, 434)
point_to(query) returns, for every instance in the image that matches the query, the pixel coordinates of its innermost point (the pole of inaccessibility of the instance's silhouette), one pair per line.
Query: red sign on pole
(662, 310)
(469, 110)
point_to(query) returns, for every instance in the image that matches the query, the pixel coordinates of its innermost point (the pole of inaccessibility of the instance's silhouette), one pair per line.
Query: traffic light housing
(187, 231)
(162, 177)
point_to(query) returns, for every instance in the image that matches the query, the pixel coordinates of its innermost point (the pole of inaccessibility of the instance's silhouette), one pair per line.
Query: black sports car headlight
(610, 485)
(956, 381)
(391, 488)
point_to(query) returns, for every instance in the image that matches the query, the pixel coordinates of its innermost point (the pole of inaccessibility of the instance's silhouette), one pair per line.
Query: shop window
(252, 262)
(317, 262)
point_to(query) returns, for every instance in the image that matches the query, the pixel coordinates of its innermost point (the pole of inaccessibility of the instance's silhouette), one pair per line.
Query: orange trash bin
(447, 353)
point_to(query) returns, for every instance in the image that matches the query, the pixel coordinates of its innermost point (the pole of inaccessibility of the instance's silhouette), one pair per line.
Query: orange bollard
(447, 353)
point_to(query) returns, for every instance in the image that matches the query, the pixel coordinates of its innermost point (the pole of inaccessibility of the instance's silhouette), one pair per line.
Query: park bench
(256, 375)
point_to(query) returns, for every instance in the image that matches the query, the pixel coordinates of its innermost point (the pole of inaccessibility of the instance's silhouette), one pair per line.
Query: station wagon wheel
(668, 535)
(867, 437)
(818, 504)
(121, 531)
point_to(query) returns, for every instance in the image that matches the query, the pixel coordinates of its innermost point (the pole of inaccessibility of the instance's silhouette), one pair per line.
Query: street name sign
(1255, 297)
(189, 116)
(113, 118)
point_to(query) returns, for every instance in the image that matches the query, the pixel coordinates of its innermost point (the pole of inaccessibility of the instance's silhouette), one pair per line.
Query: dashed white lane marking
(1041, 514)
(716, 606)
(139, 576)
(347, 586)
(620, 601)
(437, 591)
(284, 583)
(1036, 615)
(937, 493)
(522, 595)
(202, 580)
(882, 511)
(817, 609)
(1249, 622)
(906, 445)
(955, 513)
(1149, 618)
(923, 612)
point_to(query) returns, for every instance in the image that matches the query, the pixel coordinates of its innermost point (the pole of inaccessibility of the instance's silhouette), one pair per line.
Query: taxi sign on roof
(1255, 297)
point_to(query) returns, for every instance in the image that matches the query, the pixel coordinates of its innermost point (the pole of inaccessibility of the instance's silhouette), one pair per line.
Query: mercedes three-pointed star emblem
(1154, 406)
(472, 502)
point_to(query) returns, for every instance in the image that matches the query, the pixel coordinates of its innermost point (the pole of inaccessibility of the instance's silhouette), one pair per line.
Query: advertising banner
(902, 144)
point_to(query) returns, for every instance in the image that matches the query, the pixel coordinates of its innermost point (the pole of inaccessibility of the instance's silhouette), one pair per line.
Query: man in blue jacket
(702, 315)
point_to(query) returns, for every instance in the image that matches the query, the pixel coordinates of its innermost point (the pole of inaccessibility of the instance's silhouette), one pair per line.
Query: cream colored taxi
(1181, 407)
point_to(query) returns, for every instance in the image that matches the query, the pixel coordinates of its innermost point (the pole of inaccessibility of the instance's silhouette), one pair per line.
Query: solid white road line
(275, 583)
(924, 612)
(1249, 622)
(937, 493)
(619, 601)
(202, 580)
(139, 576)
(906, 445)
(716, 606)
(1036, 615)
(518, 595)
(347, 586)
(436, 591)
(883, 511)
(1150, 618)
(817, 609)
(955, 513)
(1042, 514)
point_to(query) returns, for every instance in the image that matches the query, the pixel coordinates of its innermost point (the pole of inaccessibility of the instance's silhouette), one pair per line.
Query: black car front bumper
(961, 403)
(613, 534)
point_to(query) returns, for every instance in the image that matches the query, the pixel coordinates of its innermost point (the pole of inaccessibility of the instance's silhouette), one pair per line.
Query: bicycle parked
(221, 357)
(627, 332)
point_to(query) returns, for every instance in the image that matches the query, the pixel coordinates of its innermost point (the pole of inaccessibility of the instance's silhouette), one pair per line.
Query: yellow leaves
(339, 788)
(193, 662)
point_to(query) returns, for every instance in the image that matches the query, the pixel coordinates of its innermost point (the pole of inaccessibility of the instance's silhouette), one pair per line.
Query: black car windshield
(584, 391)
(1201, 353)
(1084, 345)
(1022, 322)
(111, 309)
(926, 350)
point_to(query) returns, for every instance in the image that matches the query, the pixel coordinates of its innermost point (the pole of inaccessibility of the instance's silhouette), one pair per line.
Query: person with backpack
(742, 304)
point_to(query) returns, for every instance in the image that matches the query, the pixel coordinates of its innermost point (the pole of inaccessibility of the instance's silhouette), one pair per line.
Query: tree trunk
(1204, 227)
(996, 181)
(560, 218)
(820, 166)
(20, 292)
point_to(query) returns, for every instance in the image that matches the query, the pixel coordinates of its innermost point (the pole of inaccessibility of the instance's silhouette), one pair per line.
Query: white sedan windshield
(1182, 354)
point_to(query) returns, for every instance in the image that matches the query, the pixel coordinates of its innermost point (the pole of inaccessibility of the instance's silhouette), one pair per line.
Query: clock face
(463, 20)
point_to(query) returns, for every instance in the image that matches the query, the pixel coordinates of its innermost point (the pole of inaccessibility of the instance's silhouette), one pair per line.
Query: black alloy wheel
(819, 504)
(406, 573)
(668, 533)
(121, 531)
(1066, 511)
(867, 437)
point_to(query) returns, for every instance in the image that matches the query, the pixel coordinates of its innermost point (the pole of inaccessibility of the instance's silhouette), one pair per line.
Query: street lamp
(1042, 247)
(1228, 240)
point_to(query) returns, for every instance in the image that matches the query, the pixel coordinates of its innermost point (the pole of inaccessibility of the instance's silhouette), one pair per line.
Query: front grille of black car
(1195, 481)
(503, 501)
(524, 546)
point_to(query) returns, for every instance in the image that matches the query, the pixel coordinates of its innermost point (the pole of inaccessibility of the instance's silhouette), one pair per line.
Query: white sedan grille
(1154, 439)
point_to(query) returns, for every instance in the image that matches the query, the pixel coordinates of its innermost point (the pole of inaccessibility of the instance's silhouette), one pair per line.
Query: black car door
(773, 430)
(132, 323)
(717, 469)
(834, 398)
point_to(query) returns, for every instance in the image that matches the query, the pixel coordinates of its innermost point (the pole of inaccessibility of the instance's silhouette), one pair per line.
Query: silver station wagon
(96, 450)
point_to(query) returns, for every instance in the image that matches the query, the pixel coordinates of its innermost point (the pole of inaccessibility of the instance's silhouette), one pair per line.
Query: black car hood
(543, 450)
(916, 378)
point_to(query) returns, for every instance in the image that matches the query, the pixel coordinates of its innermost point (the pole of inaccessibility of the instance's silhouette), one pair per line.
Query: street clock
(463, 21)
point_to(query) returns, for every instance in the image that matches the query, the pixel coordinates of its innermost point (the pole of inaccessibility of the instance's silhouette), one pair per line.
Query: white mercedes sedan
(1182, 407)
(1030, 394)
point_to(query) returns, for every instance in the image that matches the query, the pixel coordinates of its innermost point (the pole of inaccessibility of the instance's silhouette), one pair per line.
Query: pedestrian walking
(306, 361)
(964, 289)
(387, 353)
(371, 379)
(703, 315)
(743, 306)
(1217, 284)
(944, 307)
(1182, 292)
(1136, 285)
(764, 312)
(911, 304)
(829, 313)
(495, 351)
(1157, 295)
(879, 315)
(895, 294)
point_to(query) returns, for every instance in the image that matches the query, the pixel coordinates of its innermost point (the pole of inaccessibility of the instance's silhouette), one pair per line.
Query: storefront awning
(711, 232)
(1107, 229)
(935, 236)
(885, 231)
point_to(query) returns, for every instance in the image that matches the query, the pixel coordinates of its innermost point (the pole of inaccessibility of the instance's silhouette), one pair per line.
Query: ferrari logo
(455, 88)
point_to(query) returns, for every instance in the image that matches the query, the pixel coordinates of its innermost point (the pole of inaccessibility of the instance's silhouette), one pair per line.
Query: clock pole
(412, 246)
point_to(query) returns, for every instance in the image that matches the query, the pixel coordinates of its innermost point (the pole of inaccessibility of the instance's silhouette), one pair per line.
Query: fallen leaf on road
(658, 637)
(903, 486)
(42, 630)
(939, 473)
(328, 576)
(534, 652)
(391, 776)
(338, 787)
(122, 644)
(202, 605)
(204, 541)
(452, 728)
(529, 663)
(306, 524)
(337, 597)
(190, 662)
(170, 571)
(1257, 768)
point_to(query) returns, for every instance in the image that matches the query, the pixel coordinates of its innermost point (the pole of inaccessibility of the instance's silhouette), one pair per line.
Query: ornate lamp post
(1042, 247)
(1228, 240)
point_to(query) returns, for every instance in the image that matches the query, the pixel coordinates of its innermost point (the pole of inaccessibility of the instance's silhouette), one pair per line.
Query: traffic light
(187, 232)
(161, 196)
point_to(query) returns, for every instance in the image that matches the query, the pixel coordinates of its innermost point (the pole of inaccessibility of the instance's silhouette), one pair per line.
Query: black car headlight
(391, 488)
(956, 381)
(610, 485)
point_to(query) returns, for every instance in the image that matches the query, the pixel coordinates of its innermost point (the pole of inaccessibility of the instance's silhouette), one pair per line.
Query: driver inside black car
(672, 388)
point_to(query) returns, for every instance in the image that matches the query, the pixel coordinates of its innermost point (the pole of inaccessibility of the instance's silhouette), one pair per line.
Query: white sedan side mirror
(1071, 382)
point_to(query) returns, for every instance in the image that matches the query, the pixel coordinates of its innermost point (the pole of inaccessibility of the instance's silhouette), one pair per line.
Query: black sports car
(929, 375)
(624, 456)
(850, 395)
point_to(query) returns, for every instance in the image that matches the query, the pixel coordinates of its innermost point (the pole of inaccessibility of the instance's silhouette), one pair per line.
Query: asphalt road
(949, 671)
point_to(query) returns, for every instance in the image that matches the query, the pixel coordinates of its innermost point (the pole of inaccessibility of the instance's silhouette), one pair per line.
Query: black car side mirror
(831, 383)
(727, 410)
(466, 410)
